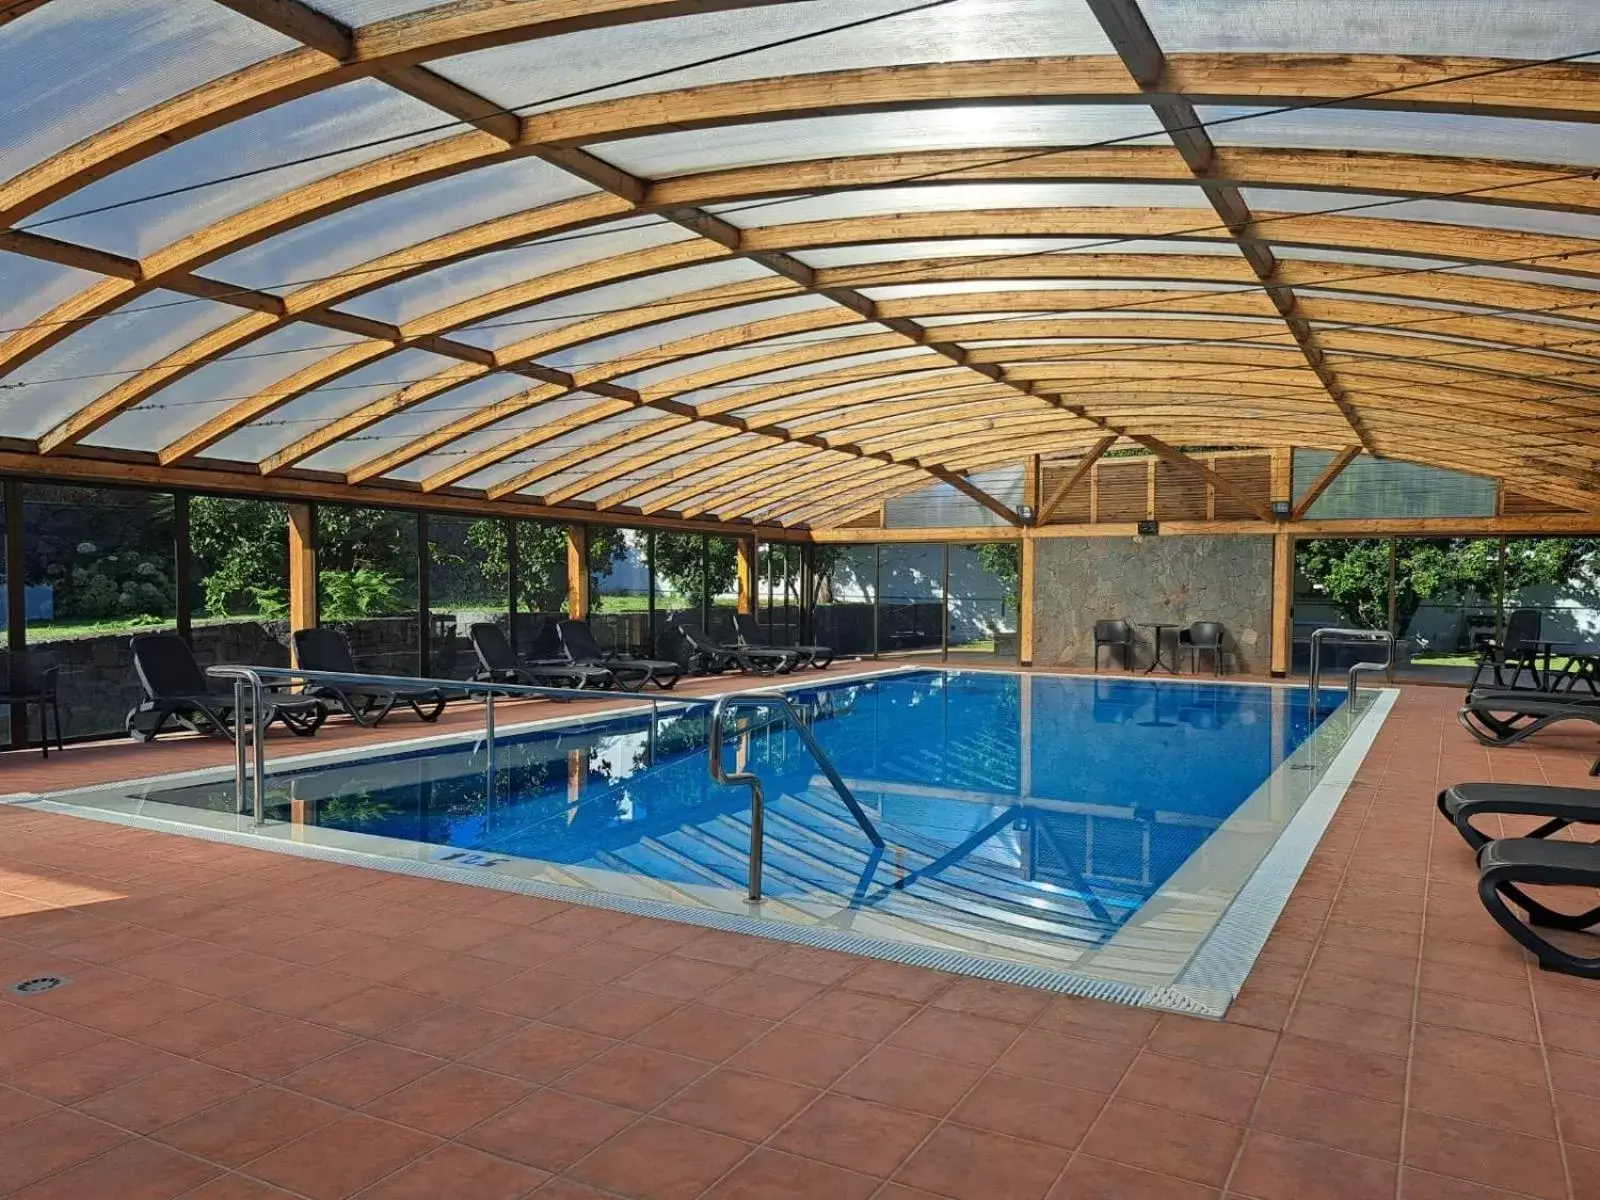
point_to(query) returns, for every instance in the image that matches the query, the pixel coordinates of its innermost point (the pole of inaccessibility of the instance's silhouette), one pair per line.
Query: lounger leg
(1551, 957)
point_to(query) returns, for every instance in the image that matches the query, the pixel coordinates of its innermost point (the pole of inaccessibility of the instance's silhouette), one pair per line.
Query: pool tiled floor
(243, 1025)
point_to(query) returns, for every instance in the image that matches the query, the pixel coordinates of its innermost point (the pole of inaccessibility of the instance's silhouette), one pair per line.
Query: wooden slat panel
(1073, 508)
(1123, 489)
(1253, 475)
(1180, 494)
(1516, 504)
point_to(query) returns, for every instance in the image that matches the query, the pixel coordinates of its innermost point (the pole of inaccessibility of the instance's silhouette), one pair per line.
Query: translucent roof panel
(1443, 212)
(31, 287)
(75, 67)
(959, 198)
(623, 423)
(583, 67)
(378, 227)
(999, 250)
(815, 368)
(197, 397)
(1003, 126)
(647, 298)
(489, 272)
(488, 438)
(101, 355)
(1448, 134)
(1472, 28)
(332, 129)
(316, 408)
(674, 370)
(365, 12)
(904, 291)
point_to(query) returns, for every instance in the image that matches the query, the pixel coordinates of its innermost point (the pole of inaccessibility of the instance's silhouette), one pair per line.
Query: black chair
(30, 679)
(707, 657)
(579, 646)
(1201, 638)
(1114, 635)
(497, 663)
(1514, 652)
(326, 650)
(176, 689)
(749, 636)
(1509, 865)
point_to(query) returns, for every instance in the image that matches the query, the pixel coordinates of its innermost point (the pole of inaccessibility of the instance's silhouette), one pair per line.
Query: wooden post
(16, 597)
(1150, 490)
(1282, 602)
(302, 566)
(747, 553)
(1282, 474)
(1032, 480)
(578, 572)
(1025, 571)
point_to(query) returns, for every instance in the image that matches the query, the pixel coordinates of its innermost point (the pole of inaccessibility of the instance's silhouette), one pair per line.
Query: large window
(367, 585)
(239, 581)
(469, 581)
(98, 566)
(722, 599)
(983, 583)
(778, 599)
(911, 599)
(844, 600)
(678, 571)
(541, 587)
(619, 589)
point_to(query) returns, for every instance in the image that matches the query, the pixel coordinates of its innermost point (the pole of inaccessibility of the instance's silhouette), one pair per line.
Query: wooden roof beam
(1322, 482)
(1079, 473)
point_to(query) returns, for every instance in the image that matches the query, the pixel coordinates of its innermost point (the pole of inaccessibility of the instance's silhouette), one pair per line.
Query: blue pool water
(1009, 803)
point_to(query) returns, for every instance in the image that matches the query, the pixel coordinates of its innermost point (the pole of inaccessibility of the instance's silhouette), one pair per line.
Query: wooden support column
(1032, 476)
(302, 566)
(16, 595)
(747, 552)
(1282, 602)
(578, 572)
(1282, 487)
(1025, 590)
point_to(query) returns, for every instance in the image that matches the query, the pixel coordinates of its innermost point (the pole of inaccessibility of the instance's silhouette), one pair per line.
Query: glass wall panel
(1444, 605)
(1338, 583)
(541, 587)
(844, 591)
(678, 569)
(367, 585)
(983, 581)
(98, 567)
(911, 603)
(722, 600)
(619, 589)
(778, 593)
(1560, 579)
(239, 581)
(469, 580)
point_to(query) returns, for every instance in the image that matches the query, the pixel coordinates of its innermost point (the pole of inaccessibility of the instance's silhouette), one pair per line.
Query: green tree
(1003, 560)
(241, 553)
(682, 559)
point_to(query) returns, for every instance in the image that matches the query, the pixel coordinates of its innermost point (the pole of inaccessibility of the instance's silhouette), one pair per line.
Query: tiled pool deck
(247, 1025)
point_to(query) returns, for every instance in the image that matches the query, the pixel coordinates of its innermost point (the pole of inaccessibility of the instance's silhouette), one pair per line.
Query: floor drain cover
(43, 983)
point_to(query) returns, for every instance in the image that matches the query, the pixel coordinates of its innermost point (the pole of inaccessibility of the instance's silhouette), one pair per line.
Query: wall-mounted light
(1025, 513)
(1149, 528)
(1280, 510)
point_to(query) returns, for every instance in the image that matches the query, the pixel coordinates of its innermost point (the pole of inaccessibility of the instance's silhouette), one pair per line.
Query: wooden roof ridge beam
(1319, 485)
(1079, 473)
(1141, 53)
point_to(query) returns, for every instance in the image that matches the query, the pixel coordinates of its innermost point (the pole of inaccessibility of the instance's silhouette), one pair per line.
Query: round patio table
(1158, 631)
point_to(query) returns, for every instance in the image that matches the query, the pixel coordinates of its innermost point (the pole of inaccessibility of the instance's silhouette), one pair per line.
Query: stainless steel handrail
(255, 678)
(1318, 636)
(757, 797)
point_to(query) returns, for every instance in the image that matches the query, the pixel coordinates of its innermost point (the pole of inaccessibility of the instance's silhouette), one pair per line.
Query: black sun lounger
(1506, 718)
(750, 638)
(498, 663)
(1559, 806)
(714, 659)
(579, 645)
(176, 689)
(1508, 865)
(326, 650)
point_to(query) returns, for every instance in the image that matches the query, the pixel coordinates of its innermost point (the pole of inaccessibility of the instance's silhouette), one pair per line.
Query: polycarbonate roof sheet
(786, 374)
(1453, 135)
(247, 162)
(367, 231)
(670, 371)
(979, 126)
(584, 67)
(316, 408)
(434, 290)
(964, 197)
(75, 67)
(100, 356)
(493, 435)
(1001, 249)
(1469, 28)
(1264, 201)
(557, 447)
(249, 371)
(956, 287)
(947, 379)
(31, 287)
(365, 12)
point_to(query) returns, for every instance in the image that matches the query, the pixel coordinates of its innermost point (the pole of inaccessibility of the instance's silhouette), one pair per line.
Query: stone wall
(1178, 579)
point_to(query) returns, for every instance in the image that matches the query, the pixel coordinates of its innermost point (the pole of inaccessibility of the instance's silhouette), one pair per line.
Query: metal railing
(1318, 636)
(250, 688)
(757, 797)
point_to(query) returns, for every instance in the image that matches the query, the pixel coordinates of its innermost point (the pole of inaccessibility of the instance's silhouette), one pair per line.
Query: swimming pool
(1079, 833)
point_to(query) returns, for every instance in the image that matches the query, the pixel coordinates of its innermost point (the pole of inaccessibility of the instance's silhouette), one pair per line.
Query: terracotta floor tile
(82, 1073)
(1096, 1020)
(1002, 1001)
(454, 977)
(449, 1101)
(567, 1189)
(1585, 1167)
(170, 1095)
(770, 997)
(894, 981)
(1478, 1052)
(549, 1130)
(453, 1172)
(340, 1159)
(1459, 1012)
(387, 959)
(1070, 1061)
(524, 947)
(1341, 1068)
(1350, 1027)
(50, 1143)
(729, 949)
(1163, 1141)
(679, 978)
(140, 1170)
(363, 1072)
(657, 1160)
(279, 1049)
(1088, 1178)
(738, 1104)
(40, 1040)
(613, 1012)
(634, 1077)
(859, 1014)
(961, 1036)
(815, 966)
(905, 1079)
(453, 1031)
(371, 1011)
(1477, 1153)
(302, 993)
(771, 1175)
(799, 1055)
(1424, 1185)
(201, 1029)
(18, 1106)
(1579, 1117)
(1336, 1119)
(1277, 1168)
(706, 1033)
(531, 994)
(1231, 1046)
(540, 1053)
(239, 1130)
(647, 933)
(862, 1136)
(1485, 1099)
(972, 1164)
(1030, 1108)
